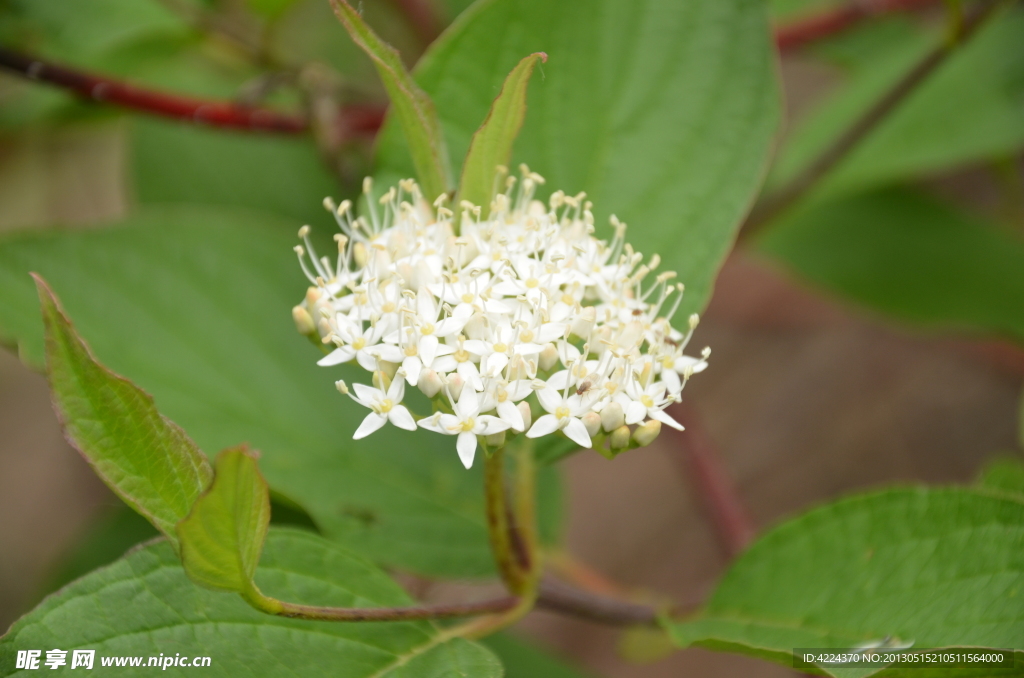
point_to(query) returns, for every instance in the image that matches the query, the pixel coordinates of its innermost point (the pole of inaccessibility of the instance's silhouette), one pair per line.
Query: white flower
(485, 312)
(467, 423)
(563, 415)
(385, 407)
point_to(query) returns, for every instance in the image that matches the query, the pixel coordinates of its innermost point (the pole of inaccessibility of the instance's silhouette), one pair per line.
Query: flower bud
(548, 357)
(429, 383)
(524, 410)
(495, 440)
(619, 439)
(455, 384)
(592, 420)
(389, 368)
(381, 380)
(583, 322)
(303, 321)
(646, 433)
(612, 417)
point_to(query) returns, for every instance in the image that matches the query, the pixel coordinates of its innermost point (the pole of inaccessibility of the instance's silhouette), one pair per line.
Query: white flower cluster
(522, 307)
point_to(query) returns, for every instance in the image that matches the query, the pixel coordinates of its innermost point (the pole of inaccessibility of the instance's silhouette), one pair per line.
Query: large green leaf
(663, 112)
(910, 256)
(936, 567)
(145, 458)
(173, 162)
(968, 111)
(194, 305)
(525, 660)
(143, 606)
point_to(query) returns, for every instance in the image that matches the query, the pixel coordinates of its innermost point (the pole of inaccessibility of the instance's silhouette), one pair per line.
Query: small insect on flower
(518, 322)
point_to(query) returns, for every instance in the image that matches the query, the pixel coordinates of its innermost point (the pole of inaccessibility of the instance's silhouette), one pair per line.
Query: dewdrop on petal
(494, 318)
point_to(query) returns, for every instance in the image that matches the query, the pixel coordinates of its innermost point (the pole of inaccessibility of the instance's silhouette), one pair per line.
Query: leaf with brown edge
(492, 143)
(145, 458)
(413, 108)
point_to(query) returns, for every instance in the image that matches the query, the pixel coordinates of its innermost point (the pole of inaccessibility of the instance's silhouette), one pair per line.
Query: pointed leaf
(413, 108)
(144, 605)
(936, 567)
(221, 539)
(491, 145)
(145, 458)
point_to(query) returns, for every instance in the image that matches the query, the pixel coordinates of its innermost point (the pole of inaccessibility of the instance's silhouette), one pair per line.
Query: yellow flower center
(385, 405)
(411, 350)
(426, 328)
(500, 348)
(562, 412)
(467, 298)
(359, 344)
(526, 335)
(647, 400)
(532, 283)
(468, 424)
(462, 355)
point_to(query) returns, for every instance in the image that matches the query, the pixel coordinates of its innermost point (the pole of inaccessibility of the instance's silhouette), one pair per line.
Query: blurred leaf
(145, 458)
(936, 567)
(1005, 474)
(663, 112)
(907, 255)
(795, 9)
(195, 305)
(525, 660)
(80, 31)
(145, 606)
(223, 535)
(272, 9)
(967, 111)
(175, 162)
(491, 145)
(411, 106)
(645, 644)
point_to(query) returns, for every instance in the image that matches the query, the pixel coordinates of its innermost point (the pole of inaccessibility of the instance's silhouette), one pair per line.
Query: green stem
(280, 608)
(496, 501)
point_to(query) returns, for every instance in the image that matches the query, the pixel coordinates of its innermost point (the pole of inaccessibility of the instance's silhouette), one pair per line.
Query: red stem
(697, 453)
(815, 27)
(98, 88)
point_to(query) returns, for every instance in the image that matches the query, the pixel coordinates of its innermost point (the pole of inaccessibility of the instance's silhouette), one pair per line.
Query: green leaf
(938, 567)
(663, 112)
(411, 105)
(172, 162)
(491, 145)
(221, 539)
(909, 256)
(145, 458)
(144, 605)
(1004, 474)
(968, 111)
(525, 660)
(194, 304)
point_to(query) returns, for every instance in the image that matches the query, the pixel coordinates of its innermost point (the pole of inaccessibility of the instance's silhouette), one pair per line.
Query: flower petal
(543, 426)
(466, 445)
(371, 423)
(400, 417)
(576, 431)
(635, 412)
(342, 354)
(487, 424)
(511, 414)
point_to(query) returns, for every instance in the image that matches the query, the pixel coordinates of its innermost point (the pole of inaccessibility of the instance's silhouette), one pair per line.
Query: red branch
(818, 26)
(98, 88)
(704, 469)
